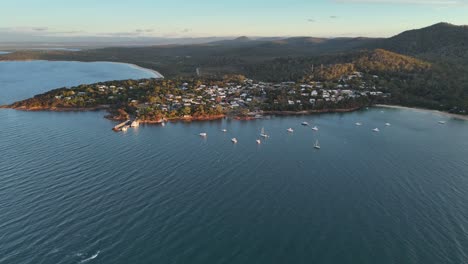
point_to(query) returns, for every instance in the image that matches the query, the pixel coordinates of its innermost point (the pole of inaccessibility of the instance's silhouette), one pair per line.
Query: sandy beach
(436, 112)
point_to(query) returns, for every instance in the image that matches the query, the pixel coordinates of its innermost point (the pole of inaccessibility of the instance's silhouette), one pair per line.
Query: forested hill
(441, 41)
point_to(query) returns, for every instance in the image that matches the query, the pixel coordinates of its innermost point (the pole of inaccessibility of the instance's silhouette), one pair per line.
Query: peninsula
(155, 100)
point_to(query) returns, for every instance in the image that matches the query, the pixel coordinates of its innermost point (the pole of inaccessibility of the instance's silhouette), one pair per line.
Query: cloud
(148, 30)
(40, 28)
(310, 20)
(409, 2)
(333, 17)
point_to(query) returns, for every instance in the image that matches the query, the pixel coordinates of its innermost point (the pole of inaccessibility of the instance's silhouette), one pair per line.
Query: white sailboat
(259, 141)
(315, 128)
(234, 140)
(290, 130)
(262, 133)
(317, 145)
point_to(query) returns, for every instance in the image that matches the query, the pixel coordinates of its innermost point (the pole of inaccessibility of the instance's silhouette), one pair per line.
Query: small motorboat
(358, 124)
(388, 124)
(290, 130)
(376, 130)
(234, 140)
(135, 123)
(304, 123)
(224, 130)
(315, 128)
(203, 134)
(442, 122)
(259, 141)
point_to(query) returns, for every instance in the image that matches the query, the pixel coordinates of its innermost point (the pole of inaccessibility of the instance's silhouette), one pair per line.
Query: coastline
(311, 112)
(57, 109)
(437, 112)
(239, 118)
(158, 74)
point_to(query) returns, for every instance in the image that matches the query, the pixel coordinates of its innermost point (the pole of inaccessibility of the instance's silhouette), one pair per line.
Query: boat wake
(91, 258)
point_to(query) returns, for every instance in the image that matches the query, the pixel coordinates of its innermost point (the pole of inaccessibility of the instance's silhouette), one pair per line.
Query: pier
(119, 126)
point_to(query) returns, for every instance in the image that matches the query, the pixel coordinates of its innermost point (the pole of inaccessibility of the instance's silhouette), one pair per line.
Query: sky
(29, 19)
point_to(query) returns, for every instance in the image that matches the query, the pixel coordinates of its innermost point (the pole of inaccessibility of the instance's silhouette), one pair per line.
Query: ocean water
(23, 79)
(73, 191)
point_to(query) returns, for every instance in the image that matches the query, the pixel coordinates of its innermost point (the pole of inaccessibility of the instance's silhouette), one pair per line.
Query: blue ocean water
(73, 191)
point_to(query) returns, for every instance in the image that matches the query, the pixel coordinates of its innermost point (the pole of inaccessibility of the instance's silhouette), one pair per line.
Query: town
(156, 100)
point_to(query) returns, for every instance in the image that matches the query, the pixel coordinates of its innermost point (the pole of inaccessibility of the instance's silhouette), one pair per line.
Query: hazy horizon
(143, 20)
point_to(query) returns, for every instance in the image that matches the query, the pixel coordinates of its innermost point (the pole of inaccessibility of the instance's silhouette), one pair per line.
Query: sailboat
(317, 145)
(262, 133)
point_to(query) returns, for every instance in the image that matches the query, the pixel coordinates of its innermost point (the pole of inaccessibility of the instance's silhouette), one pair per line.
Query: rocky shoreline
(178, 119)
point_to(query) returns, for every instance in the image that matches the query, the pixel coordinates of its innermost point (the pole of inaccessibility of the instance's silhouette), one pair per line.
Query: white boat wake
(91, 258)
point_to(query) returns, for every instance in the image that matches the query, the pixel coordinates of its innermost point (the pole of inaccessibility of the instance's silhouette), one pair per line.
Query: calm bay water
(20, 80)
(73, 191)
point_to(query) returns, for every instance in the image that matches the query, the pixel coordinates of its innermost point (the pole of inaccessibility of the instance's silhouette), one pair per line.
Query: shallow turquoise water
(73, 191)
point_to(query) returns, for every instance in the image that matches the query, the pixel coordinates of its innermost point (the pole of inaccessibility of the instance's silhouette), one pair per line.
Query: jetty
(119, 126)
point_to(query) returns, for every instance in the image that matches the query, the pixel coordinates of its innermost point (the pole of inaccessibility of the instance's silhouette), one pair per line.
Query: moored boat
(135, 123)
(317, 145)
(262, 133)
